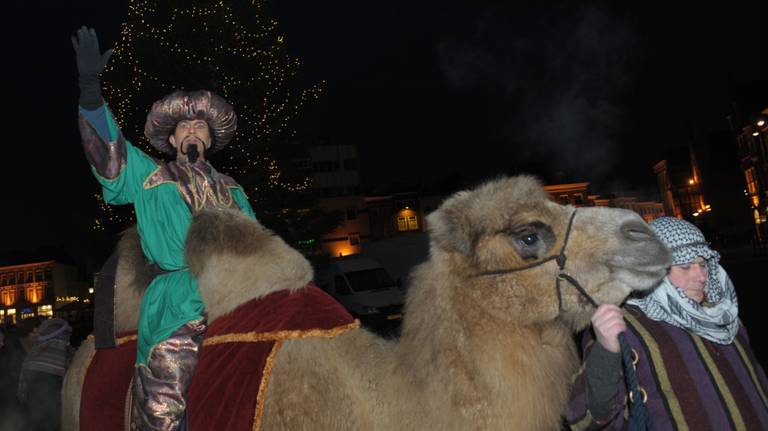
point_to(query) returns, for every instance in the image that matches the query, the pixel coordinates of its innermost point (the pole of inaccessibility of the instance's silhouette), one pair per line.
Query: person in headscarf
(189, 126)
(692, 355)
(12, 353)
(42, 373)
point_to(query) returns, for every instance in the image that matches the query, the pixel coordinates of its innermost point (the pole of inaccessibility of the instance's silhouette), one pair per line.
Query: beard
(189, 147)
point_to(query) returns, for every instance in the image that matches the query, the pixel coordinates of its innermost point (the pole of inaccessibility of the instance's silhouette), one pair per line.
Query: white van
(364, 288)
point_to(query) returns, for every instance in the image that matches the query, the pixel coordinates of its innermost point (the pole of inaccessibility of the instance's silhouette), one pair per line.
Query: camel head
(498, 243)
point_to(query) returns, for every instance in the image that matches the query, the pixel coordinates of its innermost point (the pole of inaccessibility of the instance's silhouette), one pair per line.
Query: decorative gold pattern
(156, 178)
(125, 339)
(263, 386)
(199, 184)
(206, 191)
(159, 387)
(255, 337)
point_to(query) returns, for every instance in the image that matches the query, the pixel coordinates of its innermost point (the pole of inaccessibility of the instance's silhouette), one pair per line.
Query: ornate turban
(190, 105)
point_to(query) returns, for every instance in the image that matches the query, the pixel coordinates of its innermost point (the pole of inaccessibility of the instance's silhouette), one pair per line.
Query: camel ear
(450, 229)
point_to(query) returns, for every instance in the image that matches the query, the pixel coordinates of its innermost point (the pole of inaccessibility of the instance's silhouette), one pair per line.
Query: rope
(639, 418)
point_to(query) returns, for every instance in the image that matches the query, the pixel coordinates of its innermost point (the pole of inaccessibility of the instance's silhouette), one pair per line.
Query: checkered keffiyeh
(717, 319)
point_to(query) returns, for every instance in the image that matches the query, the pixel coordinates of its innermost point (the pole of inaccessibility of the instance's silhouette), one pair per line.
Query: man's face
(691, 278)
(188, 134)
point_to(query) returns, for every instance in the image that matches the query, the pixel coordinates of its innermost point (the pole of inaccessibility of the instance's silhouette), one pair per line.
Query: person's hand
(608, 323)
(90, 60)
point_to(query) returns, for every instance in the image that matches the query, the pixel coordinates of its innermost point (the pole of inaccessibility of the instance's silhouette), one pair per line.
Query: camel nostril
(636, 231)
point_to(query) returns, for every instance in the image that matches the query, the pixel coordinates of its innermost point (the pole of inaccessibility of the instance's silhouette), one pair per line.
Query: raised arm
(90, 63)
(104, 146)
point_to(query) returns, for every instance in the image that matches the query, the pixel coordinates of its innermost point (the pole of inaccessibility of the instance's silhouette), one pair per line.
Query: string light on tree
(110, 216)
(234, 49)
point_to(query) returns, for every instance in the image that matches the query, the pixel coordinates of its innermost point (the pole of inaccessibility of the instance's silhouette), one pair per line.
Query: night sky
(427, 90)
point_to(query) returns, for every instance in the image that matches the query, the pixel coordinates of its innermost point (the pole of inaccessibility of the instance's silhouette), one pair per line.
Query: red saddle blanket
(239, 351)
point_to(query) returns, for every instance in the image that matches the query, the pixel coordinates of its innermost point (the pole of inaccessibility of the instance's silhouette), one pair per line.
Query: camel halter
(560, 259)
(639, 418)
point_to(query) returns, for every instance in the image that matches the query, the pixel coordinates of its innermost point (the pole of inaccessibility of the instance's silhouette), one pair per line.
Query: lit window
(45, 311)
(402, 224)
(413, 223)
(9, 296)
(751, 178)
(11, 313)
(34, 294)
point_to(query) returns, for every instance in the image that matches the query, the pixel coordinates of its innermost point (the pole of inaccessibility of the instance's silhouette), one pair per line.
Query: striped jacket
(692, 383)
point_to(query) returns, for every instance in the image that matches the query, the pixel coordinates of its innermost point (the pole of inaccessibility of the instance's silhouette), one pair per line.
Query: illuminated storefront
(34, 289)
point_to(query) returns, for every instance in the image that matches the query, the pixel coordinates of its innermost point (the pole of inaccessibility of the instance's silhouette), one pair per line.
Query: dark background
(430, 92)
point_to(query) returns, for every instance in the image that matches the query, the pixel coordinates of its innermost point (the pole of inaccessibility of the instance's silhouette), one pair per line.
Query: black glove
(90, 63)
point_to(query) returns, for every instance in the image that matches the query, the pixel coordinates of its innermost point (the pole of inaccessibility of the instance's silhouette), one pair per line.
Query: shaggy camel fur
(476, 352)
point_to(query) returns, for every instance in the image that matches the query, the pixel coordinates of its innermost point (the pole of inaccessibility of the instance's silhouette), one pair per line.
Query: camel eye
(529, 239)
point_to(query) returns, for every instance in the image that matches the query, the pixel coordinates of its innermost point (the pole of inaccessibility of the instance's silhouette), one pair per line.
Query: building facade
(679, 180)
(571, 194)
(354, 228)
(37, 289)
(336, 178)
(577, 194)
(751, 138)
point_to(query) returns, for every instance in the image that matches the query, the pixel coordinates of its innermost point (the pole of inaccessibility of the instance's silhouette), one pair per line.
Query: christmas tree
(236, 50)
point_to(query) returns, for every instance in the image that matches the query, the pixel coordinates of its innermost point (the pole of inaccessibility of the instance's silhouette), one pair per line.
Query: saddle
(239, 351)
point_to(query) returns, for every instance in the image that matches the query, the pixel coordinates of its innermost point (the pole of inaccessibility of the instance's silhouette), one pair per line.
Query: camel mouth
(639, 278)
(641, 267)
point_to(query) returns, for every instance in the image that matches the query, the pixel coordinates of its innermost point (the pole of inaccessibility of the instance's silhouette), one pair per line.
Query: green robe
(163, 217)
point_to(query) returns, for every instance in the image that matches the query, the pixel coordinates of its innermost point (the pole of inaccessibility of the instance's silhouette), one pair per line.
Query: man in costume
(165, 196)
(694, 363)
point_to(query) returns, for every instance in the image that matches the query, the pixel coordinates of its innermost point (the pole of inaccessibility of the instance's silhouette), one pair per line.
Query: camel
(480, 348)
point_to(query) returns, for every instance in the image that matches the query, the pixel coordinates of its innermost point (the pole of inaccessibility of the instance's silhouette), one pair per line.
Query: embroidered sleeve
(119, 167)
(104, 149)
